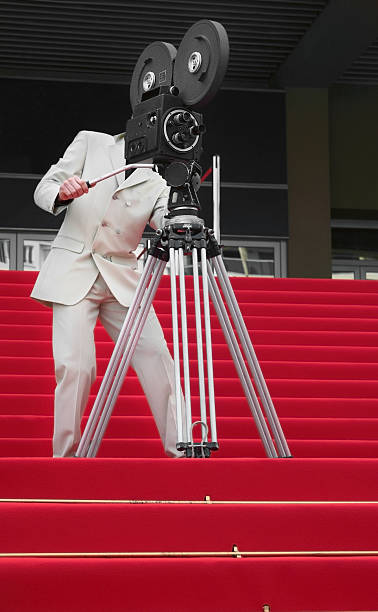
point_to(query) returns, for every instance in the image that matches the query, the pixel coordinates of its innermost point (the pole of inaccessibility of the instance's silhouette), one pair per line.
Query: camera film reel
(153, 69)
(196, 70)
(201, 63)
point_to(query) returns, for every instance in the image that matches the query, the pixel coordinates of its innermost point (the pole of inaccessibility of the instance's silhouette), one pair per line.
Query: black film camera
(167, 89)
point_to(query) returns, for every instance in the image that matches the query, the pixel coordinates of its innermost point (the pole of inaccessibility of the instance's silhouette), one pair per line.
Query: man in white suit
(91, 272)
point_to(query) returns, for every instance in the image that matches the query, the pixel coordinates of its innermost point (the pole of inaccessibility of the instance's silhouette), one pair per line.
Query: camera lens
(178, 119)
(195, 130)
(177, 138)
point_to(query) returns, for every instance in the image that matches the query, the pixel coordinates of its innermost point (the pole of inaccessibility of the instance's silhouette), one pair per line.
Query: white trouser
(75, 366)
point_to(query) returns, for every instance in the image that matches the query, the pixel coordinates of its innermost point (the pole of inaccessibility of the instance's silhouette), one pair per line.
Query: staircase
(133, 530)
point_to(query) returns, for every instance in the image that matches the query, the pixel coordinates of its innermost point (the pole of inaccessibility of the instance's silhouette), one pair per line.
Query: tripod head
(167, 89)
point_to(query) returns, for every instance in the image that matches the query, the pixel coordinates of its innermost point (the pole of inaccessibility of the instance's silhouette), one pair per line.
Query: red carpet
(317, 342)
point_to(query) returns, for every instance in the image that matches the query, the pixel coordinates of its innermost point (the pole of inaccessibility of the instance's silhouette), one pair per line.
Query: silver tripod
(186, 235)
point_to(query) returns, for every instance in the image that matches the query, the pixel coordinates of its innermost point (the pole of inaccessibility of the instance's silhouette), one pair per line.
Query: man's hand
(73, 187)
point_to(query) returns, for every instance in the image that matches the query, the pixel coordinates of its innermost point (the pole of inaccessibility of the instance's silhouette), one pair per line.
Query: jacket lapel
(117, 156)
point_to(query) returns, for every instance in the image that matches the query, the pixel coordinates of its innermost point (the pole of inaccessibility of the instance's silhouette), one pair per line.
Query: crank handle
(94, 182)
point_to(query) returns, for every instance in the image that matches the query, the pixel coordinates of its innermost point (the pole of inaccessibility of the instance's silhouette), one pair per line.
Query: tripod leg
(209, 354)
(283, 449)
(185, 352)
(240, 366)
(114, 360)
(126, 359)
(176, 347)
(201, 371)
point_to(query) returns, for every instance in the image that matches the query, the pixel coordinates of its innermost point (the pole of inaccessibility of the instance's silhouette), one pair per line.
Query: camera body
(164, 129)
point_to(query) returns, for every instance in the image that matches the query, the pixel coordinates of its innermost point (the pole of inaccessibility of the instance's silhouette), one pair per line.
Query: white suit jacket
(102, 228)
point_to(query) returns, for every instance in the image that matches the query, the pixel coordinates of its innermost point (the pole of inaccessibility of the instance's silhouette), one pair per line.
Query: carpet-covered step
(39, 383)
(44, 332)
(262, 283)
(292, 323)
(232, 427)
(246, 295)
(307, 284)
(303, 354)
(148, 448)
(104, 349)
(286, 584)
(320, 407)
(131, 405)
(296, 323)
(45, 384)
(14, 289)
(258, 337)
(24, 305)
(348, 479)
(20, 305)
(271, 296)
(156, 527)
(45, 365)
(261, 309)
(221, 368)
